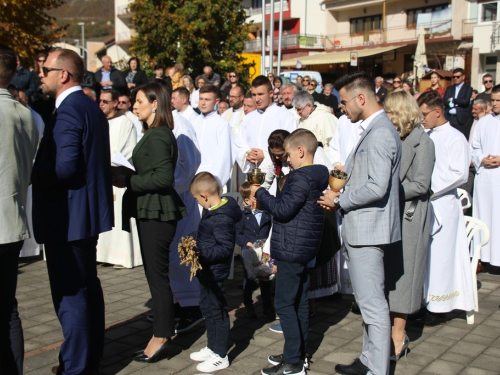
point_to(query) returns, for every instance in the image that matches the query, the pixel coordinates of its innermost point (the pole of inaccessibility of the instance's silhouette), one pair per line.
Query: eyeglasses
(104, 101)
(233, 75)
(41, 60)
(488, 81)
(121, 102)
(344, 103)
(457, 77)
(46, 70)
(424, 114)
(397, 81)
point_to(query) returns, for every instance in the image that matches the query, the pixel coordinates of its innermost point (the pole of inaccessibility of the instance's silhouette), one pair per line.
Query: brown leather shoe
(480, 268)
(54, 370)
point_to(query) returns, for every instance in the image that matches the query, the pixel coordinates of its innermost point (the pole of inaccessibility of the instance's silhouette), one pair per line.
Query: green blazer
(150, 193)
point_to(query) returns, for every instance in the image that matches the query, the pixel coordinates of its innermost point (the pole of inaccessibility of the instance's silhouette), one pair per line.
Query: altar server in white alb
(117, 246)
(214, 136)
(485, 150)
(448, 280)
(180, 101)
(251, 142)
(186, 292)
(315, 117)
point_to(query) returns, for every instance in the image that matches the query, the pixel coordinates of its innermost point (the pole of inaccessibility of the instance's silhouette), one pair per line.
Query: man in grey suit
(370, 208)
(17, 150)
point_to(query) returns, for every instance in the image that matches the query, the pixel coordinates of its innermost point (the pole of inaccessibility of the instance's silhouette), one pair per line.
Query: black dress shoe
(162, 353)
(431, 320)
(418, 314)
(355, 368)
(355, 308)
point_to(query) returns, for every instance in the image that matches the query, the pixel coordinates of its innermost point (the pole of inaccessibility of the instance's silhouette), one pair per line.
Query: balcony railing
(125, 37)
(289, 41)
(254, 11)
(124, 10)
(468, 27)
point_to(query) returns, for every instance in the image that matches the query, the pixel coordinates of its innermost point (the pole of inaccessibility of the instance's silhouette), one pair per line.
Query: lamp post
(82, 24)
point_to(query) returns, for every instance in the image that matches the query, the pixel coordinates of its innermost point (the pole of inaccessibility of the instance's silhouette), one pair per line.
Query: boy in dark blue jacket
(255, 225)
(215, 240)
(297, 230)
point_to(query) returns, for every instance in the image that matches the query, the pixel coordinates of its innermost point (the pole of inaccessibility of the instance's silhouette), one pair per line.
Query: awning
(336, 57)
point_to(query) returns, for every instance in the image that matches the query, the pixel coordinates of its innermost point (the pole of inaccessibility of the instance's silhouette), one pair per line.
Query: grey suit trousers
(366, 269)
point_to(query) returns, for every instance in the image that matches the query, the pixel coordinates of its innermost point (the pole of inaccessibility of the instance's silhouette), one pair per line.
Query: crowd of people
(118, 168)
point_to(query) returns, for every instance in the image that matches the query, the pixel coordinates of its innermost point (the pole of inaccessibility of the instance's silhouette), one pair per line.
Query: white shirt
(65, 94)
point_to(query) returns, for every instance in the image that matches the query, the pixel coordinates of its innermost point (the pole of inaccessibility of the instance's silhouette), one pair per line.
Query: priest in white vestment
(288, 91)
(214, 136)
(125, 105)
(448, 280)
(258, 125)
(119, 247)
(186, 292)
(180, 101)
(485, 151)
(316, 118)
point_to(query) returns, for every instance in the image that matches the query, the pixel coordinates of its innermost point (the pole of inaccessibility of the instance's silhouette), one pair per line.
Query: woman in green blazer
(152, 200)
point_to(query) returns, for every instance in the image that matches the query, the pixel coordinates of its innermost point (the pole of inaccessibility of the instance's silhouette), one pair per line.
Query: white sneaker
(202, 355)
(214, 363)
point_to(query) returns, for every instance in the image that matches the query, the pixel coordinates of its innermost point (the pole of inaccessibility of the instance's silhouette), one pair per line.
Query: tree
(27, 28)
(193, 32)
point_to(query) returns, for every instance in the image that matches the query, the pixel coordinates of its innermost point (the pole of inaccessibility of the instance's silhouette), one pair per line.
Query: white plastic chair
(473, 226)
(464, 196)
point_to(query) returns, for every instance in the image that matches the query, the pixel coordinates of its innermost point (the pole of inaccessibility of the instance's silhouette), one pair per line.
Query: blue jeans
(291, 304)
(213, 307)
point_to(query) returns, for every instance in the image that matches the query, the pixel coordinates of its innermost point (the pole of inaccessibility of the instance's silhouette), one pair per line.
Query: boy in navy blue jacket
(255, 225)
(297, 230)
(215, 240)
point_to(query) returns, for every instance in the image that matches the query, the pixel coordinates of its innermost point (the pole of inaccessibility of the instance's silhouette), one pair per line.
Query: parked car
(292, 76)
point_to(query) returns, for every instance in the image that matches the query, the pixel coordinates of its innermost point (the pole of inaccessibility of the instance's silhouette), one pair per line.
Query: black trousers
(265, 293)
(155, 238)
(11, 330)
(79, 303)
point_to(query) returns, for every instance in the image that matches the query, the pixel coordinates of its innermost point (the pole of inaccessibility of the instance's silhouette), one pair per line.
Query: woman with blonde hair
(176, 73)
(188, 83)
(405, 261)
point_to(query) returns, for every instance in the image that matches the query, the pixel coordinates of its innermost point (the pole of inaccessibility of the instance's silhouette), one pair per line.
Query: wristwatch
(336, 201)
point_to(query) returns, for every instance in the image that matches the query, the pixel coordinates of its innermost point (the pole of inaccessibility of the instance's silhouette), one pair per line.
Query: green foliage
(193, 32)
(26, 26)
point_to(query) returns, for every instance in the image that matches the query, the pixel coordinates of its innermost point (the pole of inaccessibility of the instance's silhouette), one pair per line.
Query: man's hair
(302, 98)
(8, 65)
(495, 89)
(241, 89)
(106, 57)
(459, 70)
(481, 102)
(302, 138)
(114, 94)
(73, 62)
(125, 95)
(92, 92)
(224, 101)
(435, 74)
(328, 86)
(487, 75)
(159, 66)
(12, 89)
(379, 77)
(262, 81)
(248, 95)
(205, 182)
(289, 84)
(356, 81)
(200, 77)
(245, 190)
(183, 92)
(432, 99)
(206, 89)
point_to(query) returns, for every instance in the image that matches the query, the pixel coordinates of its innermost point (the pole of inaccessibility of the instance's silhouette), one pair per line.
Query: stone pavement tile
(32, 344)
(328, 343)
(403, 367)
(118, 332)
(478, 339)
(137, 291)
(496, 343)
(140, 324)
(468, 348)
(485, 331)
(486, 362)
(477, 371)
(489, 302)
(452, 332)
(462, 359)
(135, 340)
(491, 323)
(50, 337)
(115, 347)
(43, 360)
(445, 342)
(495, 293)
(263, 341)
(341, 355)
(43, 317)
(441, 367)
(495, 352)
(495, 315)
(37, 330)
(419, 359)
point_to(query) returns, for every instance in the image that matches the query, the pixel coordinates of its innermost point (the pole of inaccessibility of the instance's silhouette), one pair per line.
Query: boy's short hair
(245, 190)
(432, 99)
(205, 89)
(205, 182)
(262, 81)
(282, 181)
(304, 138)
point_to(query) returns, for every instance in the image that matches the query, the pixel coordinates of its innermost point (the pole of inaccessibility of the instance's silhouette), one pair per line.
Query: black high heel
(162, 353)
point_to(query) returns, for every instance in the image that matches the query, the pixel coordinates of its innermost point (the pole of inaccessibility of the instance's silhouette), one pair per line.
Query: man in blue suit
(72, 204)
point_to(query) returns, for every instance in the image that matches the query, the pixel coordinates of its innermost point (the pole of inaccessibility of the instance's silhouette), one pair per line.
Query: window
(363, 24)
(412, 14)
(256, 4)
(489, 12)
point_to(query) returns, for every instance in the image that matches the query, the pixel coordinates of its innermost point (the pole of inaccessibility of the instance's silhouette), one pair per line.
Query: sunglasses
(488, 81)
(457, 77)
(104, 101)
(41, 60)
(46, 70)
(233, 75)
(397, 81)
(121, 102)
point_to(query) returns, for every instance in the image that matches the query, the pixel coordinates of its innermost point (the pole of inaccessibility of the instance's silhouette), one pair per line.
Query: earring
(154, 110)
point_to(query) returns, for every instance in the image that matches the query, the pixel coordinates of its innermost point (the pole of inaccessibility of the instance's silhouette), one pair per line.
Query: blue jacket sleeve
(224, 241)
(240, 229)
